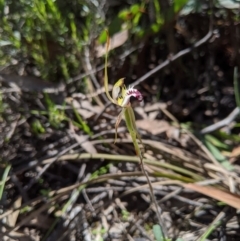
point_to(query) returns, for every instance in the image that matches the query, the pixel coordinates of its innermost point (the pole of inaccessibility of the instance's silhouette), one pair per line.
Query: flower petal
(129, 93)
(116, 92)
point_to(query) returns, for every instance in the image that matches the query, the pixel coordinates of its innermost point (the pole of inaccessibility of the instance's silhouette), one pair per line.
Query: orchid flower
(121, 97)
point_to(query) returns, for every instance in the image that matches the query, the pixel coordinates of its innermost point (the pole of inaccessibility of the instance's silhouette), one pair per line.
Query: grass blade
(4, 179)
(158, 234)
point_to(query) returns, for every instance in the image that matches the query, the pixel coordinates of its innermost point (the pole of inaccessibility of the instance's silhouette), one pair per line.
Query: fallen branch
(231, 117)
(176, 56)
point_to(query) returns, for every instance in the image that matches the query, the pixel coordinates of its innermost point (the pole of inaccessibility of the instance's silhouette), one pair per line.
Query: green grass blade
(81, 122)
(216, 142)
(210, 229)
(158, 234)
(218, 155)
(4, 179)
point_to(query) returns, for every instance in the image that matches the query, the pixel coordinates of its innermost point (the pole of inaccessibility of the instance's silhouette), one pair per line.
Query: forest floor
(63, 178)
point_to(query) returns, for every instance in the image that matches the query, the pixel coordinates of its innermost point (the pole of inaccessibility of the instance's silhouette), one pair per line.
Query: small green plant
(125, 214)
(55, 115)
(3, 106)
(80, 123)
(132, 17)
(26, 209)
(37, 127)
(48, 34)
(99, 232)
(45, 192)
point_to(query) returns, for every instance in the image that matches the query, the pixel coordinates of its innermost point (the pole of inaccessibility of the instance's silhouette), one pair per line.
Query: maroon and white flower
(129, 93)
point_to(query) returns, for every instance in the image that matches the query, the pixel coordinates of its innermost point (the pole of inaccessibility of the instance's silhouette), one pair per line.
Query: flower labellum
(135, 93)
(129, 93)
(121, 95)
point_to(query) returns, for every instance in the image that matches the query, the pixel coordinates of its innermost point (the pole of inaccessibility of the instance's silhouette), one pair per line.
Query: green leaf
(213, 226)
(179, 4)
(37, 127)
(103, 37)
(124, 15)
(82, 123)
(115, 26)
(136, 19)
(4, 179)
(155, 27)
(216, 142)
(218, 155)
(231, 137)
(135, 9)
(158, 234)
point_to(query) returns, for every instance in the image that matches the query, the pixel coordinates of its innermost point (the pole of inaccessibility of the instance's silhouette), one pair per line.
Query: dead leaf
(20, 236)
(173, 133)
(153, 115)
(141, 112)
(155, 106)
(117, 40)
(154, 127)
(85, 108)
(85, 144)
(82, 140)
(12, 218)
(231, 199)
(235, 152)
(234, 155)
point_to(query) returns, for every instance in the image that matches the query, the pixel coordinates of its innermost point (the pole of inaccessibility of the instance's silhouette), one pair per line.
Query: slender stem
(131, 125)
(160, 221)
(105, 71)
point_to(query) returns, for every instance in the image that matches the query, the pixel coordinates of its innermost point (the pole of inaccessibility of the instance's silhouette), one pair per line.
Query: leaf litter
(90, 188)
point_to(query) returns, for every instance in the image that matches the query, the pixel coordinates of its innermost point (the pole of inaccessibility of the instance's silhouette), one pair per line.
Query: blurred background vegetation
(55, 40)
